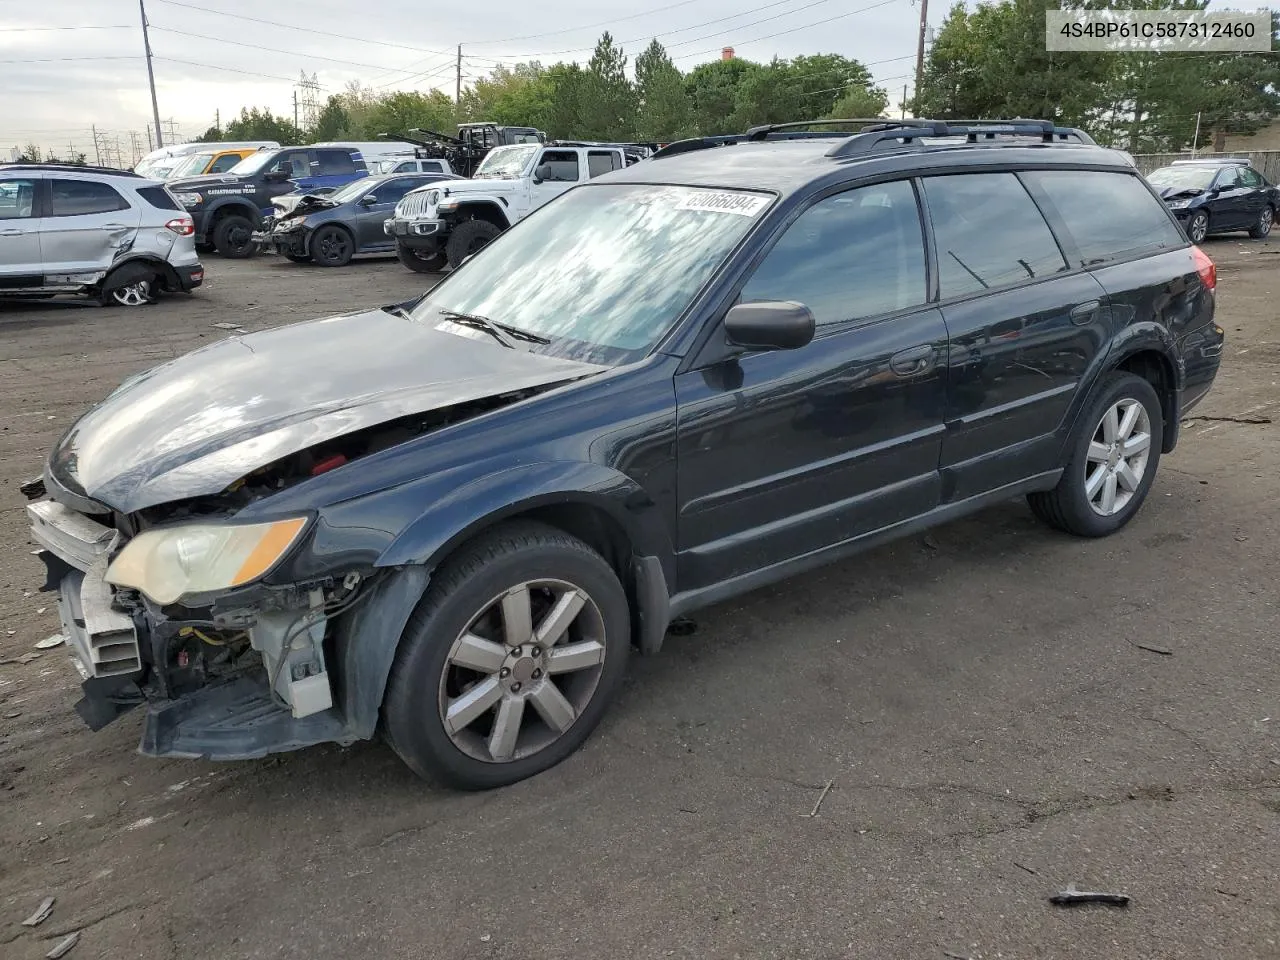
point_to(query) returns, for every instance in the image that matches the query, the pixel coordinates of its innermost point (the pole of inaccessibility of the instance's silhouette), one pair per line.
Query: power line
(276, 50)
(68, 59)
(782, 33)
(583, 26)
(120, 26)
(211, 66)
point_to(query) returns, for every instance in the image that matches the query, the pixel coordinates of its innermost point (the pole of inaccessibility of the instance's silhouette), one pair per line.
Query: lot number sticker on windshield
(745, 204)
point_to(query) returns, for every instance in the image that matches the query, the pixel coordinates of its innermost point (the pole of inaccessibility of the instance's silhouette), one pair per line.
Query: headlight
(200, 558)
(1179, 204)
(433, 197)
(191, 199)
(284, 226)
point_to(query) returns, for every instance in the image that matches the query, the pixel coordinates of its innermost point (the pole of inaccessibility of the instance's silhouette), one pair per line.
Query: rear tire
(233, 237)
(464, 641)
(1261, 229)
(468, 237)
(1108, 457)
(420, 261)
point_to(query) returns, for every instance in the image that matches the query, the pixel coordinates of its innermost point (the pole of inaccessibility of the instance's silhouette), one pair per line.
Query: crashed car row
(448, 521)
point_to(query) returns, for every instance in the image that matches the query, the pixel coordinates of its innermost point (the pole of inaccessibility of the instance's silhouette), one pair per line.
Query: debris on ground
(64, 946)
(14, 715)
(681, 627)
(41, 914)
(57, 640)
(929, 542)
(1151, 648)
(1023, 866)
(1071, 896)
(228, 326)
(1249, 420)
(822, 796)
(25, 658)
(955, 956)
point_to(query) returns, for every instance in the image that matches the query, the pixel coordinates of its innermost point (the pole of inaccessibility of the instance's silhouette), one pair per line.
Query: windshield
(191, 166)
(506, 161)
(254, 162)
(603, 271)
(1188, 177)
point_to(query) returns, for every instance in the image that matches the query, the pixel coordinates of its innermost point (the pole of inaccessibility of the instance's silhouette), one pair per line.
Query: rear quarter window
(159, 198)
(1110, 216)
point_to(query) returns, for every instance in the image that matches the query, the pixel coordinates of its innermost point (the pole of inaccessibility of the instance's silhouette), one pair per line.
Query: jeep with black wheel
(447, 223)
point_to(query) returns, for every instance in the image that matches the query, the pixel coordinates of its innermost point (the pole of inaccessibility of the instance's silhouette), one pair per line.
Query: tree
(212, 135)
(607, 110)
(402, 111)
(663, 111)
(864, 101)
(260, 124)
(565, 119)
(31, 153)
(333, 122)
(520, 96)
(713, 93)
(804, 88)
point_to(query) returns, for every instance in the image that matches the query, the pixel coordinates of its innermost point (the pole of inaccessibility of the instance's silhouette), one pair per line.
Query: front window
(506, 161)
(604, 271)
(192, 166)
(1186, 178)
(263, 159)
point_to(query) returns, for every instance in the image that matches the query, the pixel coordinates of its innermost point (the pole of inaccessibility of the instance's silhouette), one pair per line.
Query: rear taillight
(182, 226)
(1206, 268)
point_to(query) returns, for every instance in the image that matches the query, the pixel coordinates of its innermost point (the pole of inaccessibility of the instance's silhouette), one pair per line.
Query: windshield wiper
(502, 332)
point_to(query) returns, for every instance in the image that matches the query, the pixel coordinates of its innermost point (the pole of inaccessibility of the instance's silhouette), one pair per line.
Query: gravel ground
(976, 699)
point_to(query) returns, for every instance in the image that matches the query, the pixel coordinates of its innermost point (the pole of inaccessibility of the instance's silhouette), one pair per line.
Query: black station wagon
(449, 521)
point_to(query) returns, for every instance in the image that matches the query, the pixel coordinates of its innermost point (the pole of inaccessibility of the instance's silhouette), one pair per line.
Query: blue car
(1217, 196)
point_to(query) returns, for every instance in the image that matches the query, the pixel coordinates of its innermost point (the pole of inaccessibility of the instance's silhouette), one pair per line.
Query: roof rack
(1243, 161)
(875, 130)
(73, 167)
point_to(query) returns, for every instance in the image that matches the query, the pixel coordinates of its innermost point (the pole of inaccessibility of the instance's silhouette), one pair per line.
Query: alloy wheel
(1198, 229)
(522, 671)
(1117, 457)
(1264, 221)
(134, 294)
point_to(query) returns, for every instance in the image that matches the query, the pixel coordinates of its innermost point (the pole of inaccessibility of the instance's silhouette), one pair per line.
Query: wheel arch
(603, 508)
(162, 267)
(489, 211)
(232, 205)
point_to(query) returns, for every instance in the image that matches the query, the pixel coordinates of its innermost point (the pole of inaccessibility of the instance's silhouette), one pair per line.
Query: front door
(20, 262)
(783, 453)
(369, 232)
(85, 226)
(558, 170)
(1232, 208)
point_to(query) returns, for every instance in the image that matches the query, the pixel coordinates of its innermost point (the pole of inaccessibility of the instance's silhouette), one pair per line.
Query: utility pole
(217, 120)
(97, 154)
(457, 86)
(904, 101)
(924, 27)
(151, 77)
(295, 106)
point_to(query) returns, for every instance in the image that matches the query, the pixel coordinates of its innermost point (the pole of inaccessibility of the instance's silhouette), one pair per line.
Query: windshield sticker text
(745, 204)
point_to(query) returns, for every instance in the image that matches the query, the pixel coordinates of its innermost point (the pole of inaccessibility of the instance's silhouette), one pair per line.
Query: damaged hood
(195, 425)
(1178, 193)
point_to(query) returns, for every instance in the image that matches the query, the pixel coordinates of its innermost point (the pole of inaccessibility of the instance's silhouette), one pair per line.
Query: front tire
(467, 238)
(1261, 229)
(1112, 463)
(1198, 227)
(332, 247)
(420, 261)
(509, 661)
(233, 237)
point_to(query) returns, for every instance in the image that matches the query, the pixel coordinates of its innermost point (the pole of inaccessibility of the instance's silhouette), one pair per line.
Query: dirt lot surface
(976, 698)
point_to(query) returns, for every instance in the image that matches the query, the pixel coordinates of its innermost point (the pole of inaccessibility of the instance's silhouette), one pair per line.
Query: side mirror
(543, 172)
(771, 325)
(277, 176)
(368, 200)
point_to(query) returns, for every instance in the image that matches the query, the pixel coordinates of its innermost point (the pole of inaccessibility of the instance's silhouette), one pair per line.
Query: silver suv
(112, 235)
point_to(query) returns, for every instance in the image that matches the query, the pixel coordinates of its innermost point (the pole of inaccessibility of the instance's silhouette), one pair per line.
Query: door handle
(114, 226)
(907, 363)
(12, 232)
(1085, 312)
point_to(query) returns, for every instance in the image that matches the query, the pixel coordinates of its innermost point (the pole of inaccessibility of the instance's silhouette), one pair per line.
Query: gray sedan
(332, 229)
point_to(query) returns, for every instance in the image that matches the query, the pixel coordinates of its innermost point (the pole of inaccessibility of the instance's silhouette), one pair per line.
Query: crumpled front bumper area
(286, 242)
(116, 651)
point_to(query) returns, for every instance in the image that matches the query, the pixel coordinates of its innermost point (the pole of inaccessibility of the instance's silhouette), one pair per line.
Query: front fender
(487, 500)
(494, 204)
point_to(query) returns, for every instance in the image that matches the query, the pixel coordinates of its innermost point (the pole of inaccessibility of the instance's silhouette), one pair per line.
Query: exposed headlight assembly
(284, 226)
(1179, 204)
(167, 564)
(190, 199)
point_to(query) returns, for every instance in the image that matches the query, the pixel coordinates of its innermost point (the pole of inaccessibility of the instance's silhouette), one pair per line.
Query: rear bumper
(190, 277)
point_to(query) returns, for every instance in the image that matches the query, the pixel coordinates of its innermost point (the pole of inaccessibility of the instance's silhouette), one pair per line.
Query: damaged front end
(286, 231)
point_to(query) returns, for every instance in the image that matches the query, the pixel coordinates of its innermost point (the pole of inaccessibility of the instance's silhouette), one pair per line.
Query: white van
(373, 149)
(158, 162)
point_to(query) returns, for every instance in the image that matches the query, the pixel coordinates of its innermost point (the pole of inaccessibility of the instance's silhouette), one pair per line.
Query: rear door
(20, 260)
(333, 168)
(1256, 199)
(296, 165)
(603, 161)
(86, 224)
(783, 453)
(1023, 324)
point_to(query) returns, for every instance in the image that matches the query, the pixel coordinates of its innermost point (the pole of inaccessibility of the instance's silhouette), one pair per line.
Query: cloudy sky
(60, 78)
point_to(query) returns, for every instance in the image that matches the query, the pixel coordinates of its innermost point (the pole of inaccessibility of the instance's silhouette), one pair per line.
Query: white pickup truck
(447, 222)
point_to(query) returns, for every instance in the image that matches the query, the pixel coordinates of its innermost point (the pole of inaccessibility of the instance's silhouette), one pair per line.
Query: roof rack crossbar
(974, 131)
(762, 132)
(72, 167)
(697, 143)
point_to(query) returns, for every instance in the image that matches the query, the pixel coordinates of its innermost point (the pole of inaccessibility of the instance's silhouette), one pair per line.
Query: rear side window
(601, 161)
(1109, 215)
(853, 255)
(431, 166)
(225, 162)
(73, 198)
(333, 163)
(17, 199)
(989, 233)
(1250, 177)
(158, 197)
(393, 190)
